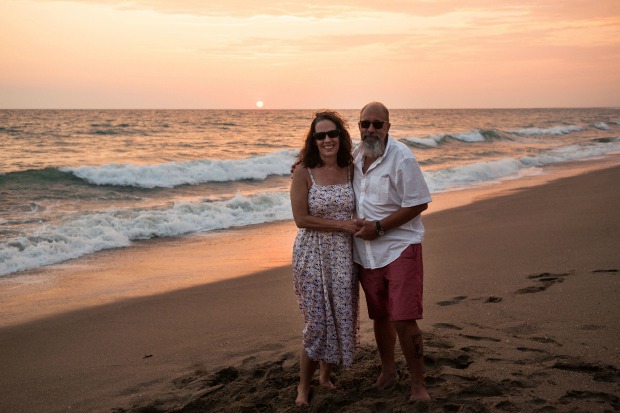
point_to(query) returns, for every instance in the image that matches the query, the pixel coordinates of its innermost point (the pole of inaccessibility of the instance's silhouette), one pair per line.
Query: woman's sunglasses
(319, 136)
(378, 124)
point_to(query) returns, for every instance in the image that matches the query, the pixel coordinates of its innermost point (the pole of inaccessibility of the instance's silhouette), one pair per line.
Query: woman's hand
(351, 226)
(367, 230)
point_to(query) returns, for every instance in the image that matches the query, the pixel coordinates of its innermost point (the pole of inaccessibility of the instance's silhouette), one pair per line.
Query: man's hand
(368, 230)
(397, 218)
(293, 166)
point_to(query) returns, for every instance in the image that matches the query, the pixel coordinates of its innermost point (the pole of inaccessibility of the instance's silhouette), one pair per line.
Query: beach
(521, 314)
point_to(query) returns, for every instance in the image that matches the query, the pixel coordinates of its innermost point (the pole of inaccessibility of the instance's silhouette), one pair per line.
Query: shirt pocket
(379, 189)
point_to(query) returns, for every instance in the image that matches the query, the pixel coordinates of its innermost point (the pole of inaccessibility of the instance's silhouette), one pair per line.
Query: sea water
(74, 182)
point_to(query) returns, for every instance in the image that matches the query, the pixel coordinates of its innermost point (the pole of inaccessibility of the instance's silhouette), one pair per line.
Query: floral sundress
(325, 278)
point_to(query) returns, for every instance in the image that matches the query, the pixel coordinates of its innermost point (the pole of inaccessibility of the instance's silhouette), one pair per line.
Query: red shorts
(396, 289)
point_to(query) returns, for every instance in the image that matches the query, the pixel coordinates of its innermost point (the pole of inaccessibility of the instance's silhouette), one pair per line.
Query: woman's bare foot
(325, 370)
(303, 396)
(327, 383)
(419, 393)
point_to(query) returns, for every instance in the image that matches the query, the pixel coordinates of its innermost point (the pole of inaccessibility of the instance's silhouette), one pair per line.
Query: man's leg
(373, 283)
(385, 336)
(410, 338)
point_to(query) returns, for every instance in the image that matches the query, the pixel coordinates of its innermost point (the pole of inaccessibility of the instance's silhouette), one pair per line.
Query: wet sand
(521, 314)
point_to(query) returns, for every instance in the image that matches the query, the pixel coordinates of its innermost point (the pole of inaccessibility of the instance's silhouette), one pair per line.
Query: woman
(323, 272)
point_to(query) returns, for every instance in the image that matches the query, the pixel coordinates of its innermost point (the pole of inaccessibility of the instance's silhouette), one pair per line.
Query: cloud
(431, 49)
(547, 10)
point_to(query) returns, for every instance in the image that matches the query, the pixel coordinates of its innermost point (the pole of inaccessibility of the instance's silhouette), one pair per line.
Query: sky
(232, 54)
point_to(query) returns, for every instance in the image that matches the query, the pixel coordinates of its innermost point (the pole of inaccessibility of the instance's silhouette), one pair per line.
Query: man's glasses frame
(319, 136)
(377, 124)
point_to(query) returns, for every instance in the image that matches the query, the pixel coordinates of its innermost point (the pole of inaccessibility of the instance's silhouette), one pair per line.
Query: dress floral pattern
(325, 280)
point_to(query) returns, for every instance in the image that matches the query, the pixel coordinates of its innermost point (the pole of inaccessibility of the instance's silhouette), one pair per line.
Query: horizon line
(395, 108)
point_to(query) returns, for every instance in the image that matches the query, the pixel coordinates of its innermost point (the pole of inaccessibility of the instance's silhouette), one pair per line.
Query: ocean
(74, 182)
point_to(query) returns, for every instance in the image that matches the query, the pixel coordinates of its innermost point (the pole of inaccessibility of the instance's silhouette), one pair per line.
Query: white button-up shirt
(393, 181)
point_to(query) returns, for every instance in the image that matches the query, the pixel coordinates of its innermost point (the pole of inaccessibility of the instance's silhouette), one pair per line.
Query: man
(390, 194)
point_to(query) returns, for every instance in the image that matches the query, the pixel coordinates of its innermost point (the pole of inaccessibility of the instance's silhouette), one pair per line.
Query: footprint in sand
(531, 350)
(447, 326)
(453, 301)
(598, 372)
(457, 361)
(482, 388)
(545, 340)
(224, 376)
(480, 338)
(546, 280)
(600, 271)
(597, 397)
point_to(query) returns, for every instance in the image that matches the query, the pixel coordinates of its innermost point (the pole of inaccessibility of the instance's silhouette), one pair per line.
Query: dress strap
(311, 177)
(349, 172)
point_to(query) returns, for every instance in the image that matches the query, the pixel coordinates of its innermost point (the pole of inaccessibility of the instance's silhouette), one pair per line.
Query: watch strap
(379, 228)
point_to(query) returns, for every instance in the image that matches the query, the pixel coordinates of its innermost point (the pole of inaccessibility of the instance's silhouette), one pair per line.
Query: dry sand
(521, 315)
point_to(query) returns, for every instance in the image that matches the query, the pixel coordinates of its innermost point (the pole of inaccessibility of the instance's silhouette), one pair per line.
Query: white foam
(484, 172)
(602, 126)
(432, 141)
(556, 130)
(81, 235)
(435, 140)
(169, 175)
(471, 175)
(471, 136)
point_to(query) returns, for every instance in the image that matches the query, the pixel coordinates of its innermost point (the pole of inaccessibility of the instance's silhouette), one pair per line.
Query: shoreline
(520, 315)
(157, 266)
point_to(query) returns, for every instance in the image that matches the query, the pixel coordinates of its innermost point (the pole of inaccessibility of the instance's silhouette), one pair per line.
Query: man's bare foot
(386, 379)
(419, 393)
(303, 396)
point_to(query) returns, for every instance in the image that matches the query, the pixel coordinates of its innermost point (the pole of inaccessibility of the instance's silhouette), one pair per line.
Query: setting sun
(259, 104)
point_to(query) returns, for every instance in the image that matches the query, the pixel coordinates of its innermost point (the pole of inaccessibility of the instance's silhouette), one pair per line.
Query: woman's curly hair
(309, 155)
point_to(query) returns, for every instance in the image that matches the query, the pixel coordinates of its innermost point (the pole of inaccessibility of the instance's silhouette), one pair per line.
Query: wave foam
(484, 172)
(173, 174)
(471, 136)
(82, 235)
(556, 130)
(431, 140)
(602, 126)
(436, 140)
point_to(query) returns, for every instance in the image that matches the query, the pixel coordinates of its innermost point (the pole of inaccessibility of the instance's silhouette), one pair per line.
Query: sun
(259, 104)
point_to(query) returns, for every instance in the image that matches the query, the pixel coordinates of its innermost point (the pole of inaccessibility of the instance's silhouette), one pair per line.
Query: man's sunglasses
(319, 136)
(378, 124)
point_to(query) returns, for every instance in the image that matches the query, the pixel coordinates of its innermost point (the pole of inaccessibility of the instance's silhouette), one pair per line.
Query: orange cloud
(155, 53)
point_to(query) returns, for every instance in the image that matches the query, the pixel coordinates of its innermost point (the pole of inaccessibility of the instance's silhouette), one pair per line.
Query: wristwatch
(380, 230)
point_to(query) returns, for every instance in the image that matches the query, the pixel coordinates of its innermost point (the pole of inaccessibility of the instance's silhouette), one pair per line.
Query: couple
(373, 199)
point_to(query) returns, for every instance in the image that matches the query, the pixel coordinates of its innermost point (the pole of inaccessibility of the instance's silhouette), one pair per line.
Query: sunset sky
(220, 54)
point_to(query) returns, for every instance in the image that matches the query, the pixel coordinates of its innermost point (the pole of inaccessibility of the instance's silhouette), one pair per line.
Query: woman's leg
(307, 369)
(325, 379)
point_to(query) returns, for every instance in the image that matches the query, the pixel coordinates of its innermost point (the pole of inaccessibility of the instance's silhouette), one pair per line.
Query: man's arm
(395, 219)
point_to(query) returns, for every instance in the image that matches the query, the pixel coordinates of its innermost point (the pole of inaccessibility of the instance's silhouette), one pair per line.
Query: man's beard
(373, 145)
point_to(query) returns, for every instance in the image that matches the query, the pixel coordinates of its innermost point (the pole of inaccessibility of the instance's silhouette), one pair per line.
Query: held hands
(351, 226)
(367, 230)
